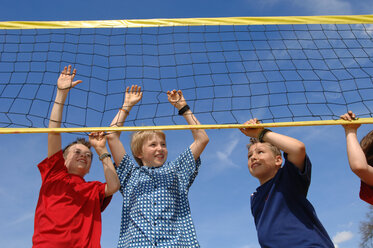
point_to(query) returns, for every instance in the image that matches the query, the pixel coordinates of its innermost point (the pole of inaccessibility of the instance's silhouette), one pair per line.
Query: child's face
(78, 160)
(154, 151)
(262, 162)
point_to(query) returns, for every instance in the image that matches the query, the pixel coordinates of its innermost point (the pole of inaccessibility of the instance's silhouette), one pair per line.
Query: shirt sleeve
(301, 179)
(366, 193)
(52, 165)
(103, 199)
(124, 171)
(186, 167)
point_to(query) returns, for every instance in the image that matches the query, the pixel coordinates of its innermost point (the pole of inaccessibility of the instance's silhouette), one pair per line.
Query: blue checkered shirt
(156, 210)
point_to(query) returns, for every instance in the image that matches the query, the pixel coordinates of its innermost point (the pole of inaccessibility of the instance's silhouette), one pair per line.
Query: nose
(253, 157)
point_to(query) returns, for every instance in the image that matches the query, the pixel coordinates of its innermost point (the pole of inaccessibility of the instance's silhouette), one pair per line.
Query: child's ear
(278, 160)
(139, 156)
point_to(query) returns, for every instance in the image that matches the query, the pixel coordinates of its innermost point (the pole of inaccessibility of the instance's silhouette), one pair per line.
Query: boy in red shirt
(360, 156)
(68, 213)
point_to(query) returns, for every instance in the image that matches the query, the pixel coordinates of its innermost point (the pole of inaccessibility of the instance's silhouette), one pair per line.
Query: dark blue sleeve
(302, 180)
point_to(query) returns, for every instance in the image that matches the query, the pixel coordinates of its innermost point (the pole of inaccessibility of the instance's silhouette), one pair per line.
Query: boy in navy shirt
(283, 215)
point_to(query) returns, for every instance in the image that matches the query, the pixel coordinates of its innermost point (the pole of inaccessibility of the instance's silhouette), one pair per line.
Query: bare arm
(295, 149)
(356, 157)
(201, 139)
(98, 141)
(132, 96)
(64, 84)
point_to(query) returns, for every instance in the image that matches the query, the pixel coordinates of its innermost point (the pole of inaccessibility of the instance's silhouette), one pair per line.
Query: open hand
(65, 81)
(132, 97)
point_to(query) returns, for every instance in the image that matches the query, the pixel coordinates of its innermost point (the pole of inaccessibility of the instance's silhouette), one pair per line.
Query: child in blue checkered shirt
(156, 208)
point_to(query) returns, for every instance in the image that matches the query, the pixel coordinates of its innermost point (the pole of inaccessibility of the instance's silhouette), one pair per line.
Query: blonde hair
(137, 140)
(275, 150)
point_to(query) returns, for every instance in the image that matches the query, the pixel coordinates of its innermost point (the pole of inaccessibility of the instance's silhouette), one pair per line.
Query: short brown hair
(275, 150)
(137, 140)
(77, 141)
(366, 144)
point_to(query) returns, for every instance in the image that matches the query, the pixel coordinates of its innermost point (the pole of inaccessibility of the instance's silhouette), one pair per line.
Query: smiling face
(263, 163)
(78, 160)
(154, 151)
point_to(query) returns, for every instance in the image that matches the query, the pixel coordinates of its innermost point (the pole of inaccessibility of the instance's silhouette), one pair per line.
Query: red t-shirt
(68, 213)
(366, 193)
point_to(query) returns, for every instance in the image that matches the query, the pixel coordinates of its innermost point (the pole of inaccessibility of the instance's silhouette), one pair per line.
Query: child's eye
(88, 155)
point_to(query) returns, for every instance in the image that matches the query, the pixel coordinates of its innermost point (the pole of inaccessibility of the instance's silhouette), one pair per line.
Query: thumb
(76, 83)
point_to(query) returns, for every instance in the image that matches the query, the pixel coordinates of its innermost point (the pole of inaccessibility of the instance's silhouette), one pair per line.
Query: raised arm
(356, 157)
(201, 139)
(98, 141)
(295, 149)
(132, 96)
(64, 84)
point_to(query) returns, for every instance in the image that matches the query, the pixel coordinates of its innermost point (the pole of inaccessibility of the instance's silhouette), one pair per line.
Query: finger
(64, 71)
(69, 69)
(73, 74)
(139, 90)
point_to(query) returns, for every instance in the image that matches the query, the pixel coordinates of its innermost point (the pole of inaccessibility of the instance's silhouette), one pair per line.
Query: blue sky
(220, 195)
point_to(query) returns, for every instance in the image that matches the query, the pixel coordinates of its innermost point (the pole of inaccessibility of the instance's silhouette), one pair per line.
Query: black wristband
(262, 133)
(104, 155)
(184, 109)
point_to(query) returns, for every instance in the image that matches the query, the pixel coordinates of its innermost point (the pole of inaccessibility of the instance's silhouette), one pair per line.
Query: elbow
(113, 188)
(206, 140)
(300, 148)
(359, 168)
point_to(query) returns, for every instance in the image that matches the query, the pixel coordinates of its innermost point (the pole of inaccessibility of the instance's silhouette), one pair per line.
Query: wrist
(262, 134)
(184, 109)
(104, 155)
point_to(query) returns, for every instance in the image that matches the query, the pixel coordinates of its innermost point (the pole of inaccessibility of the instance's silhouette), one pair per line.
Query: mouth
(82, 161)
(254, 165)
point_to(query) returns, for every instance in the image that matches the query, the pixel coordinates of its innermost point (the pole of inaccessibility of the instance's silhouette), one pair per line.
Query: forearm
(113, 138)
(54, 139)
(356, 156)
(294, 148)
(57, 110)
(111, 177)
(200, 136)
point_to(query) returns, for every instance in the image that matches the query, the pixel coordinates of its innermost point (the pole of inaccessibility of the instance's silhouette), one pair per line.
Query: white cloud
(342, 237)
(224, 154)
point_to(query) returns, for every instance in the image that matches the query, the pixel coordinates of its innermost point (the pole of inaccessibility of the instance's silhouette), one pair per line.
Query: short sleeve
(187, 167)
(103, 199)
(125, 169)
(366, 193)
(302, 179)
(52, 165)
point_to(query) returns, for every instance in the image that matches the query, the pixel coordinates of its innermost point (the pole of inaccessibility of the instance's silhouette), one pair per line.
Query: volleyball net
(285, 71)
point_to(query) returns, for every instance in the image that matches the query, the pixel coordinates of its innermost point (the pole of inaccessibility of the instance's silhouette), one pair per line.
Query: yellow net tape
(137, 23)
(182, 127)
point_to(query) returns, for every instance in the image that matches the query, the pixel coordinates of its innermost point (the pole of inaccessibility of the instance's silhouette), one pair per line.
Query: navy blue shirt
(283, 215)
